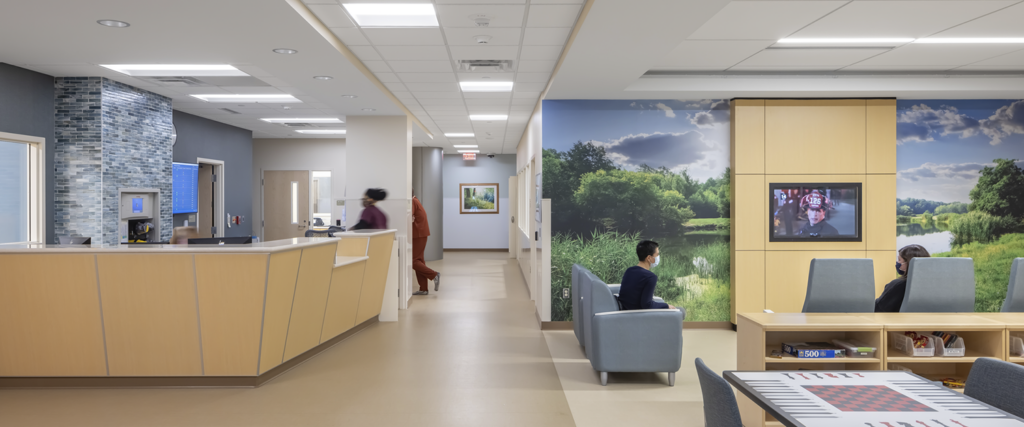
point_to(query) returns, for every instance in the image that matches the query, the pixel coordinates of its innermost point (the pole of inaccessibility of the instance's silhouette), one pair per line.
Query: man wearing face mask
(892, 296)
(638, 282)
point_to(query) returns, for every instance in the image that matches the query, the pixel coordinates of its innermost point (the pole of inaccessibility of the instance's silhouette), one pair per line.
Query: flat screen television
(823, 212)
(184, 188)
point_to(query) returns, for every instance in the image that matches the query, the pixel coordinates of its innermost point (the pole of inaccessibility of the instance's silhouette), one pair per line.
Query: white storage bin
(906, 345)
(856, 349)
(957, 349)
(1016, 346)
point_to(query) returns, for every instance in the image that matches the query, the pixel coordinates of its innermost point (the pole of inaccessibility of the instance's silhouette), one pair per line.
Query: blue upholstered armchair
(626, 341)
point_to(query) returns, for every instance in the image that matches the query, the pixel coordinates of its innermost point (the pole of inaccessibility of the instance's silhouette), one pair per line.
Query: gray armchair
(1015, 290)
(997, 383)
(577, 304)
(630, 340)
(840, 286)
(939, 285)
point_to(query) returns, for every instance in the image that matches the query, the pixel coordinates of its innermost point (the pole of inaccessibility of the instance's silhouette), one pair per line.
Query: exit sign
(468, 156)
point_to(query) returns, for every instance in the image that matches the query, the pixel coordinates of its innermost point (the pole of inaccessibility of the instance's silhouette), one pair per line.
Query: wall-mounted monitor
(184, 188)
(823, 212)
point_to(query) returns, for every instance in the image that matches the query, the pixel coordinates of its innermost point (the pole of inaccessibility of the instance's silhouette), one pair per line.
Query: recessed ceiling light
(488, 116)
(465, 146)
(369, 109)
(350, 96)
(113, 23)
(286, 51)
(323, 77)
(322, 131)
(316, 120)
(971, 40)
(264, 99)
(392, 15)
(460, 135)
(160, 70)
(468, 151)
(847, 41)
(486, 86)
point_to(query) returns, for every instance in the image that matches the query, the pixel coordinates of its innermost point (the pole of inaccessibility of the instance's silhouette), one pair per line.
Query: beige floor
(469, 355)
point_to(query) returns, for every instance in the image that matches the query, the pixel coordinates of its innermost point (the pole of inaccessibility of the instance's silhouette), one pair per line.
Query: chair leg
(671, 379)
(604, 378)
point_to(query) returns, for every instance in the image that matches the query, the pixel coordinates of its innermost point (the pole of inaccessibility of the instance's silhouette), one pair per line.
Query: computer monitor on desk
(68, 240)
(221, 241)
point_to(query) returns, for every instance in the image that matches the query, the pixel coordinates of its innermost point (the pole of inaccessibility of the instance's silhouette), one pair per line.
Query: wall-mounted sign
(468, 156)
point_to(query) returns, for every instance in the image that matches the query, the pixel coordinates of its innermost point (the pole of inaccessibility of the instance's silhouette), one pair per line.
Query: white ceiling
(721, 48)
(419, 65)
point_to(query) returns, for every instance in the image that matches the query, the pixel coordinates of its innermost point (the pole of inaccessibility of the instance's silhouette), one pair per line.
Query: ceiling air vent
(230, 110)
(298, 125)
(485, 65)
(176, 81)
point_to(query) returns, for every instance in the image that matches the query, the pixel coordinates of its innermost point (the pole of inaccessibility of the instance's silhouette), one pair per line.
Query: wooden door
(285, 204)
(205, 220)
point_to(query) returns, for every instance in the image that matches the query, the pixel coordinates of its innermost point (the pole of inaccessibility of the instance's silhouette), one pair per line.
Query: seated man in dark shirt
(892, 296)
(638, 283)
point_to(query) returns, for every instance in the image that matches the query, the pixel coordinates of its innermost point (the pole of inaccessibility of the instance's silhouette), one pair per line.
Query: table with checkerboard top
(864, 398)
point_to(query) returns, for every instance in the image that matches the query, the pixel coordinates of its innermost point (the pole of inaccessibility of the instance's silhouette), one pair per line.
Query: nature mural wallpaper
(960, 185)
(619, 171)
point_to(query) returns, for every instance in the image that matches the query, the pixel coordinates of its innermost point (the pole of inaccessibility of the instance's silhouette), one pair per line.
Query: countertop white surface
(261, 247)
(346, 260)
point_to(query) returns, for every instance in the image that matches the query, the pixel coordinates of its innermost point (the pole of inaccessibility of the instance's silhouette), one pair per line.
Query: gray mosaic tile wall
(110, 136)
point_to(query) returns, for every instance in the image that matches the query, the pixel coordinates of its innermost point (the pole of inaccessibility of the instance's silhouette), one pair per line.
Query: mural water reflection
(935, 237)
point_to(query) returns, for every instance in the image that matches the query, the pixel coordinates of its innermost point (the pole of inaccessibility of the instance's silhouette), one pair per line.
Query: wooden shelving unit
(984, 334)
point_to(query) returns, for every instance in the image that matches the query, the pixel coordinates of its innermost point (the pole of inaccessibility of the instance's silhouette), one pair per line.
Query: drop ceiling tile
(500, 15)
(532, 77)
(432, 87)
(440, 101)
(536, 66)
(524, 94)
(762, 20)
(421, 66)
(404, 36)
(332, 15)
(388, 77)
(897, 18)
(521, 108)
(351, 36)
(530, 87)
(814, 58)
(941, 54)
(413, 53)
(427, 77)
(467, 36)
(365, 53)
(404, 95)
(546, 36)
(524, 101)
(438, 95)
(540, 53)
(553, 16)
(710, 55)
(474, 2)
(445, 108)
(377, 66)
(484, 52)
(1015, 60)
(490, 95)
(1005, 23)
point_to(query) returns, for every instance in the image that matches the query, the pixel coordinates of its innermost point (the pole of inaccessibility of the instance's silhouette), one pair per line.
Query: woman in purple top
(372, 217)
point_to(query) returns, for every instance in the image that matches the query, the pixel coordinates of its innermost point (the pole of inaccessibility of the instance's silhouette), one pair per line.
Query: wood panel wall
(793, 140)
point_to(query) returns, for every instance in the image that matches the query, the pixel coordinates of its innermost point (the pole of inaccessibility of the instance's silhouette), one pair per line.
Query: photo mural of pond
(960, 185)
(620, 171)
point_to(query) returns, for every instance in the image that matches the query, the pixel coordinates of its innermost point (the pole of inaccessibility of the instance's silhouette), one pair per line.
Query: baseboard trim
(180, 382)
(556, 326)
(725, 326)
(476, 250)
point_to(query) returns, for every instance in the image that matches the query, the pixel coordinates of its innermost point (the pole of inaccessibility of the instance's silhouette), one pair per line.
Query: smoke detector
(482, 39)
(481, 20)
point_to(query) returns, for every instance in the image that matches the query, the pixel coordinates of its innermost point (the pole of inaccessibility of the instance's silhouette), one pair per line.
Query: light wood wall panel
(885, 268)
(284, 269)
(307, 319)
(150, 314)
(343, 299)
(749, 271)
(811, 245)
(231, 289)
(880, 212)
(881, 136)
(353, 246)
(814, 136)
(786, 277)
(53, 327)
(747, 126)
(749, 212)
(376, 276)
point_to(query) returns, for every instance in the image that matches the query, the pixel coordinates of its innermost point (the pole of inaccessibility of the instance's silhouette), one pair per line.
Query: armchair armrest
(615, 288)
(637, 341)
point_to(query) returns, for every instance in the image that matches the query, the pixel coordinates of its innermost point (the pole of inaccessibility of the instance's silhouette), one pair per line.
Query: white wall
(529, 149)
(476, 231)
(297, 154)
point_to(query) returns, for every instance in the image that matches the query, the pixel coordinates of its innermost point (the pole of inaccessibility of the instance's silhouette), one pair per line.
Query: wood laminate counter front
(191, 312)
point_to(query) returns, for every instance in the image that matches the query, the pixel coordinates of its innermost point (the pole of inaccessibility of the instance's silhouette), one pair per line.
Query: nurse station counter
(183, 315)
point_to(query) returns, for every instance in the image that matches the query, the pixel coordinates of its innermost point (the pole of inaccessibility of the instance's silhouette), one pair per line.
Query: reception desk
(177, 315)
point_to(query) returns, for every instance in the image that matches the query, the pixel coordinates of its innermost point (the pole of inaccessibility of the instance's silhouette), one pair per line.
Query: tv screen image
(814, 211)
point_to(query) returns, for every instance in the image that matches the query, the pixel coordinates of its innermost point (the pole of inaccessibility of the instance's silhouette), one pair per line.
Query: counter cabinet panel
(231, 288)
(284, 269)
(372, 295)
(307, 318)
(343, 300)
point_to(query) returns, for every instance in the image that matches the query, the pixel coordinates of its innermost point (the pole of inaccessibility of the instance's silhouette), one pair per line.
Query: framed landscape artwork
(478, 198)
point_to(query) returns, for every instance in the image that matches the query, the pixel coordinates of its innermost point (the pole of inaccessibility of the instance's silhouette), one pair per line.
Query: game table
(864, 398)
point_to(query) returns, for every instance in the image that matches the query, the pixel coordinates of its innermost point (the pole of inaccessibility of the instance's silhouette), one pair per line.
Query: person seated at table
(892, 296)
(638, 282)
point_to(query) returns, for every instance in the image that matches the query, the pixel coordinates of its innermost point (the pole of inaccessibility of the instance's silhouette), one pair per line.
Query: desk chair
(720, 407)
(1015, 290)
(318, 233)
(939, 285)
(840, 286)
(997, 383)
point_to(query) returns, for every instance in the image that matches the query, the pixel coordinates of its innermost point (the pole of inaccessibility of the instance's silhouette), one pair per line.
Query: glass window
(322, 197)
(14, 192)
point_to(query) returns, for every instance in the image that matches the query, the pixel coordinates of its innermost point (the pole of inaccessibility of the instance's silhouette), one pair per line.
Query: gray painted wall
(199, 137)
(427, 185)
(477, 231)
(26, 108)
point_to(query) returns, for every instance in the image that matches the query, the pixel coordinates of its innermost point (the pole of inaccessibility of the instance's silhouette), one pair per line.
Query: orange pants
(423, 273)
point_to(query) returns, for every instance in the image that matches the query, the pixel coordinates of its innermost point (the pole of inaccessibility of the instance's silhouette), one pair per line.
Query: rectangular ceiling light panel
(262, 99)
(459, 135)
(319, 120)
(322, 131)
(941, 40)
(488, 116)
(841, 42)
(465, 146)
(392, 14)
(468, 151)
(486, 86)
(162, 70)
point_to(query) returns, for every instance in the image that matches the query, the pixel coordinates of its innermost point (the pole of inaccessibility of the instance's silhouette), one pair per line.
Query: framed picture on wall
(478, 198)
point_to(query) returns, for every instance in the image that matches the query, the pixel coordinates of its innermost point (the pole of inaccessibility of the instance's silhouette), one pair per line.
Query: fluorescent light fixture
(486, 86)
(262, 99)
(285, 51)
(318, 120)
(323, 77)
(469, 151)
(460, 135)
(322, 131)
(161, 70)
(464, 146)
(392, 15)
(488, 116)
(849, 41)
(113, 23)
(1000, 40)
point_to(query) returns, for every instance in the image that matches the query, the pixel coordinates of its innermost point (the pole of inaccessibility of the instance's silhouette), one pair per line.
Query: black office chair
(720, 407)
(318, 222)
(318, 233)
